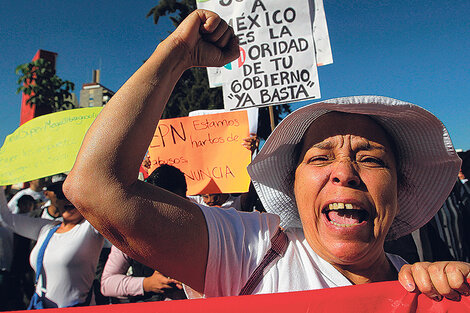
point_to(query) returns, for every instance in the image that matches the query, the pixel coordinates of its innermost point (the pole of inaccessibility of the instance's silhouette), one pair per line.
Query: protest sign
(44, 146)
(320, 37)
(277, 55)
(320, 34)
(385, 297)
(252, 116)
(207, 149)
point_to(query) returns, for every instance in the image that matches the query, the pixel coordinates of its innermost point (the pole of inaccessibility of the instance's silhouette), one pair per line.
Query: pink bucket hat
(427, 158)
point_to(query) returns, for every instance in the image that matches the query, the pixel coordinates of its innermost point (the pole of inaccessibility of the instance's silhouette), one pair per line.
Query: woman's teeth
(345, 214)
(340, 205)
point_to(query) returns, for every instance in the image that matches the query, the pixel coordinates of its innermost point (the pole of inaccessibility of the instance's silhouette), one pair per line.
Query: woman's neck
(68, 225)
(380, 270)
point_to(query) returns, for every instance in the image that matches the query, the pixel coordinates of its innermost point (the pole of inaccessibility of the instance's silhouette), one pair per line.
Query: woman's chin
(342, 251)
(343, 245)
(347, 253)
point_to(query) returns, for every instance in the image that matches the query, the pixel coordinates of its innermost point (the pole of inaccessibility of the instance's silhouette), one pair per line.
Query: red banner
(386, 297)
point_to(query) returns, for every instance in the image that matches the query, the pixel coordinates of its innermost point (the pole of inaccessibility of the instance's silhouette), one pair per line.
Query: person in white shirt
(34, 190)
(70, 257)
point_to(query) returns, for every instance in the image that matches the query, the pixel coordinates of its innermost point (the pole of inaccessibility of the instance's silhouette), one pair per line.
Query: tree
(192, 91)
(165, 7)
(47, 91)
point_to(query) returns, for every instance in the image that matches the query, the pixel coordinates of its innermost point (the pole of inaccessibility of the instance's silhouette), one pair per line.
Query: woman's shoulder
(83, 228)
(45, 229)
(238, 241)
(240, 221)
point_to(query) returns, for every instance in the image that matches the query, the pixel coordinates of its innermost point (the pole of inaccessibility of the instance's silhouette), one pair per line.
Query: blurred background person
(464, 173)
(65, 255)
(26, 204)
(22, 273)
(49, 209)
(34, 190)
(445, 236)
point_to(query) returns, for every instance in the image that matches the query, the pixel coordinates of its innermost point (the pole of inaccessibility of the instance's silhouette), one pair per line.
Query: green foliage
(48, 92)
(192, 91)
(166, 7)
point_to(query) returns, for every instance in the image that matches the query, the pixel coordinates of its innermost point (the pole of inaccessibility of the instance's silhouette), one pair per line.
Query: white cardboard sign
(320, 33)
(277, 61)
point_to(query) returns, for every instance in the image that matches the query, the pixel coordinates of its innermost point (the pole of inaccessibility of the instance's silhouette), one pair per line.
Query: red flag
(385, 297)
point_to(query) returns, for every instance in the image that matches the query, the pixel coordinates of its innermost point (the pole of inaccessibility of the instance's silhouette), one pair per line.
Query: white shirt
(238, 242)
(69, 263)
(70, 258)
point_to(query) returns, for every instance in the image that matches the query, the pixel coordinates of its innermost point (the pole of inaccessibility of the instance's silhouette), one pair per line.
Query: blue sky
(414, 50)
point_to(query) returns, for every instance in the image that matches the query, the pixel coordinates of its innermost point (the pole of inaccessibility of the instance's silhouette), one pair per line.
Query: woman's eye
(372, 161)
(318, 159)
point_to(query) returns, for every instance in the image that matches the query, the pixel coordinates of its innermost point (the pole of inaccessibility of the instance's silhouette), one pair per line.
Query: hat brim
(427, 158)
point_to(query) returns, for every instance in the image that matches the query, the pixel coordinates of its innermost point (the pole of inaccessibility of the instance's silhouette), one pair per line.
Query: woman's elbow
(77, 190)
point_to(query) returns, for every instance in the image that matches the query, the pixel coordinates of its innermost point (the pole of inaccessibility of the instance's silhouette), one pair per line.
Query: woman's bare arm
(149, 224)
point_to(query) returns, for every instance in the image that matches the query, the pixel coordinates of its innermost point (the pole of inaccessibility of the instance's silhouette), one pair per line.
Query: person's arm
(158, 283)
(13, 203)
(151, 225)
(115, 282)
(248, 199)
(22, 224)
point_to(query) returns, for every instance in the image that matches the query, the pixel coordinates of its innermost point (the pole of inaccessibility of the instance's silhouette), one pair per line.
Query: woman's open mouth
(345, 214)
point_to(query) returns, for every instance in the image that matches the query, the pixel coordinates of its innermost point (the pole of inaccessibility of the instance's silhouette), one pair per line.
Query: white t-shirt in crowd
(238, 242)
(69, 263)
(70, 258)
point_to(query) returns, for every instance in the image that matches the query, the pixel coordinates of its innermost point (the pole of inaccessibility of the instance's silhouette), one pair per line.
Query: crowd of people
(81, 267)
(345, 191)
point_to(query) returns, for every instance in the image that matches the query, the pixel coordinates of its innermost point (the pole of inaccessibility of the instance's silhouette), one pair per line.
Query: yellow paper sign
(45, 145)
(207, 149)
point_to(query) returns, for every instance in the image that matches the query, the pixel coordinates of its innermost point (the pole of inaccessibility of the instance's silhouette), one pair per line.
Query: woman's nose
(344, 173)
